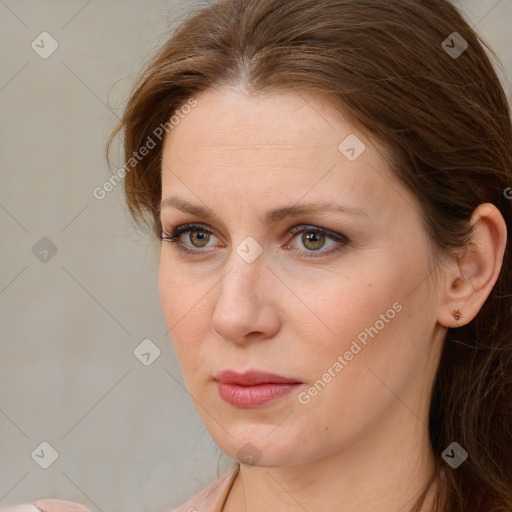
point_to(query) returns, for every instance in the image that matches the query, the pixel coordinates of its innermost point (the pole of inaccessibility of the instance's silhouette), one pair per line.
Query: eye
(313, 239)
(198, 236)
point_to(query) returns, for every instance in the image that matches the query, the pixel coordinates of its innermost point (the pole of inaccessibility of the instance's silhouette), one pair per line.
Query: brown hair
(446, 123)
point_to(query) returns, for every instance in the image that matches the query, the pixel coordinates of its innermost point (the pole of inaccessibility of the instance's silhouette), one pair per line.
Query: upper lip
(251, 378)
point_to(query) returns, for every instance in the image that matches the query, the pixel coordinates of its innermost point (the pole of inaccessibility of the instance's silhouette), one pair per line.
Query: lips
(252, 378)
(253, 388)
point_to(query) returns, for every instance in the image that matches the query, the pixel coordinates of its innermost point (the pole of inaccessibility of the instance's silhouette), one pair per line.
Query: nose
(246, 306)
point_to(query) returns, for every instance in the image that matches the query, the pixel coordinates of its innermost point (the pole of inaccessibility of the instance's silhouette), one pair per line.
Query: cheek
(381, 343)
(369, 317)
(184, 306)
(182, 293)
(338, 309)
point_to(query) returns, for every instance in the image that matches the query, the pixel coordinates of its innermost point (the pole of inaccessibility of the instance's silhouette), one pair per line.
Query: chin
(262, 449)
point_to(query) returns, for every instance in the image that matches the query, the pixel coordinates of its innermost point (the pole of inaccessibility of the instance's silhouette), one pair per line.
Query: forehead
(232, 119)
(269, 148)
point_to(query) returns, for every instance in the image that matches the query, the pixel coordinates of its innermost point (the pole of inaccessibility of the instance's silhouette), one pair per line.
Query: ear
(470, 276)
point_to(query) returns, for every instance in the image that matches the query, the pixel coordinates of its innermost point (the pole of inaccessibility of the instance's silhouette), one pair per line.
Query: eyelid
(324, 231)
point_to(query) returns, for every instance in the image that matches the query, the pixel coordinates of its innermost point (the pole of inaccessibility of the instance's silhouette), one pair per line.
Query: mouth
(253, 388)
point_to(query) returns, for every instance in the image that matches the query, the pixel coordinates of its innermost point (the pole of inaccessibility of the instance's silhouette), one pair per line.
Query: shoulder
(213, 496)
(47, 505)
(209, 499)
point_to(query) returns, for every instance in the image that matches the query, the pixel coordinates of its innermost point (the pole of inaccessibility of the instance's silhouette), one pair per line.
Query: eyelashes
(314, 235)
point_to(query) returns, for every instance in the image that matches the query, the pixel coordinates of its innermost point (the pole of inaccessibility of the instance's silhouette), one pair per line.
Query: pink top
(213, 496)
(47, 505)
(210, 499)
(51, 505)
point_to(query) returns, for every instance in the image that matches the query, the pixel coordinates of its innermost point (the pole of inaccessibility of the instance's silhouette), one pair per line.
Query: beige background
(127, 435)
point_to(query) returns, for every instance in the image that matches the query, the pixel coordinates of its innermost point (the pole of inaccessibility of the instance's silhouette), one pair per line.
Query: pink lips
(253, 388)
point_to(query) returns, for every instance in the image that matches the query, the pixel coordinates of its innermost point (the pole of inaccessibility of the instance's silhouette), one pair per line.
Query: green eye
(313, 239)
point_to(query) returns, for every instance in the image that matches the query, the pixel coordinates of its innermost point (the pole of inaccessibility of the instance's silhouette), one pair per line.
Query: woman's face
(308, 260)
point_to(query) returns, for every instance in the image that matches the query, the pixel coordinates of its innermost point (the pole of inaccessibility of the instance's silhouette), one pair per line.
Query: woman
(330, 180)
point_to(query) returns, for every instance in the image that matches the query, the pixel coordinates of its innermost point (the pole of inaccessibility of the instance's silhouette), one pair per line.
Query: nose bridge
(239, 286)
(243, 304)
(246, 266)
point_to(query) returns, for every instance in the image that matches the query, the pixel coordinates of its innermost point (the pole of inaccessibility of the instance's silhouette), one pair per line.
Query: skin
(362, 442)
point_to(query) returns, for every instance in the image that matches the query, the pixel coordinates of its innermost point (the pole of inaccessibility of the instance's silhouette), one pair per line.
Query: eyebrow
(274, 215)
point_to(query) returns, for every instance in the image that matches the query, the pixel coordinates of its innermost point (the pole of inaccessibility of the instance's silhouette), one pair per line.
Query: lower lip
(253, 396)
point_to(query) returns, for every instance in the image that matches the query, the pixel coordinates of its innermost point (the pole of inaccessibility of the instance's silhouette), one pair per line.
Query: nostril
(54, 505)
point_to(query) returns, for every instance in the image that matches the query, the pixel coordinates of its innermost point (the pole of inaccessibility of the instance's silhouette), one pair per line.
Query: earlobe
(470, 276)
